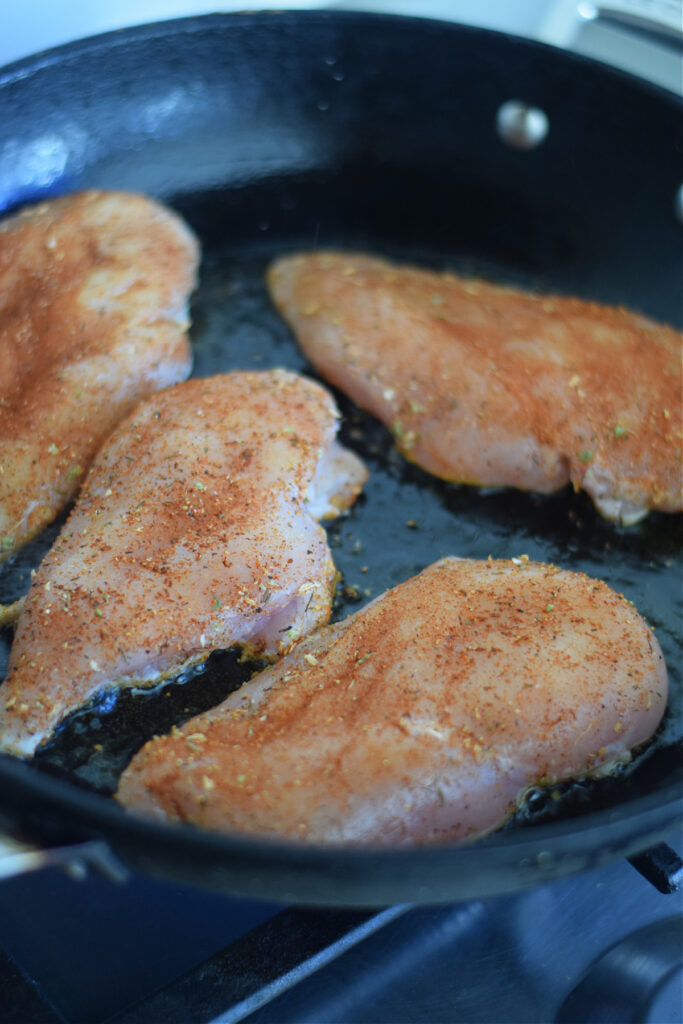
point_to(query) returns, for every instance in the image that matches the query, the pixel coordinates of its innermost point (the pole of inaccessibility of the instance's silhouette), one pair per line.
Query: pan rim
(26, 67)
(366, 876)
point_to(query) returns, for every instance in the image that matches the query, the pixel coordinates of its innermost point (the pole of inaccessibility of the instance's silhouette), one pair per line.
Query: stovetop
(89, 951)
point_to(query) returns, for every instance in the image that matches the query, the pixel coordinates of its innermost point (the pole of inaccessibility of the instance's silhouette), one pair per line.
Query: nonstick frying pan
(271, 132)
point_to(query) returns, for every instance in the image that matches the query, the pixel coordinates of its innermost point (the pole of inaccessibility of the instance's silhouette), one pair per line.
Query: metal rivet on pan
(678, 203)
(521, 126)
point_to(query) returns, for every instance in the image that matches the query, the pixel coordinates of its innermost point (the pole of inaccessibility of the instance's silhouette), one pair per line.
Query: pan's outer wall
(224, 101)
(200, 106)
(301, 874)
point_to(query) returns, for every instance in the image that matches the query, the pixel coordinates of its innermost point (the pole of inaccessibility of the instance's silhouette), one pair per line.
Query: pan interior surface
(314, 131)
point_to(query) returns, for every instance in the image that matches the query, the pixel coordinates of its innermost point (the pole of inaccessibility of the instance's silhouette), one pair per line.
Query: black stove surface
(94, 948)
(602, 946)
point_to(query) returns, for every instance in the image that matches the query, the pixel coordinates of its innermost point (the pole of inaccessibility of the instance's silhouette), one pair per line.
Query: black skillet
(278, 131)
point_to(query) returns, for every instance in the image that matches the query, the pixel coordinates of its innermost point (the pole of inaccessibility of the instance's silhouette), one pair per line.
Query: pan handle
(19, 856)
(656, 20)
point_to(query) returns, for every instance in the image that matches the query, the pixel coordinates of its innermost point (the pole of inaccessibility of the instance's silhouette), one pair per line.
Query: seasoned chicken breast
(93, 315)
(423, 717)
(195, 530)
(489, 385)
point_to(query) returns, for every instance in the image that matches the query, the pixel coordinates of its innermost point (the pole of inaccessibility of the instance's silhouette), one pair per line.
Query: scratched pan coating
(408, 209)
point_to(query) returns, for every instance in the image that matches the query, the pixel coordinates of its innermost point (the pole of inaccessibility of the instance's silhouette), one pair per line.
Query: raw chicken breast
(489, 385)
(93, 315)
(194, 531)
(423, 717)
